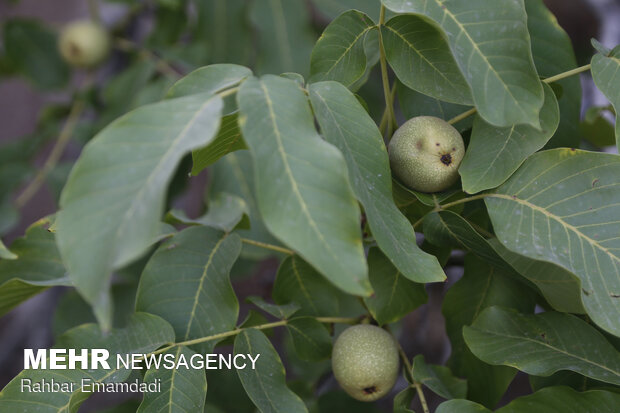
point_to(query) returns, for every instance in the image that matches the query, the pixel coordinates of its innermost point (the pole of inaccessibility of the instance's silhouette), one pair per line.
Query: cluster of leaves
(540, 230)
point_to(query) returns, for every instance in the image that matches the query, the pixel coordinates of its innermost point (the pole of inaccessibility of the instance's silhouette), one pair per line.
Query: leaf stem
(59, 147)
(385, 117)
(267, 246)
(548, 80)
(409, 367)
(567, 74)
(451, 204)
(389, 107)
(462, 116)
(266, 326)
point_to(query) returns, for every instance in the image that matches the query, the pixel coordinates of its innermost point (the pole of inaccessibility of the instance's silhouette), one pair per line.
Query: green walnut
(84, 43)
(365, 362)
(425, 154)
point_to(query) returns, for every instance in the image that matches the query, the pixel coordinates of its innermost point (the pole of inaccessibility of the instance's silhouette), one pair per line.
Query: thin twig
(567, 74)
(386, 112)
(409, 368)
(450, 204)
(462, 116)
(548, 80)
(266, 326)
(59, 147)
(391, 121)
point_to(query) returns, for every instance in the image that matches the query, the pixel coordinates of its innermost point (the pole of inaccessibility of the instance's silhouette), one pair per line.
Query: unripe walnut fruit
(425, 154)
(365, 362)
(84, 43)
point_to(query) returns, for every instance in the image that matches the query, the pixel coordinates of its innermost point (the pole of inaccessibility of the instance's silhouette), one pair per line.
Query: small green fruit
(84, 43)
(365, 362)
(425, 154)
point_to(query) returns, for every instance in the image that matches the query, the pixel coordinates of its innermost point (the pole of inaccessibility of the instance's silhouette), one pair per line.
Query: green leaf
(553, 54)
(104, 222)
(461, 406)
(372, 51)
(542, 344)
(226, 212)
(481, 286)
(209, 79)
(5, 253)
(560, 288)
(223, 24)
(552, 399)
(226, 392)
(285, 36)
(228, 140)
(346, 124)
(129, 406)
(72, 311)
(403, 400)
(447, 228)
(565, 400)
(298, 178)
(439, 379)
(234, 174)
(570, 379)
(283, 311)
(199, 301)
(183, 389)
(561, 207)
(297, 282)
(334, 8)
(311, 339)
(266, 385)
(35, 268)
(402, 193)
(339, 53)
(606, 75)
(495, 153)
(596, 128)
(395, 296)
(143, 334)
(414, 104)
(491, 45)
(32, 50)
(420, 56)
(339, 401)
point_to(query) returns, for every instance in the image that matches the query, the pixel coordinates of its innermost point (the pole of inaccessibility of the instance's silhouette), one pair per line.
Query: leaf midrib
(134, 202)
(543, 211)
(419, 53)
(289, 173)
(495, 333)
(484, 57)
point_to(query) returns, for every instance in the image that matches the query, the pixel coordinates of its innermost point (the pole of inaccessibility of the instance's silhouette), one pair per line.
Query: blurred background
(155, 43)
